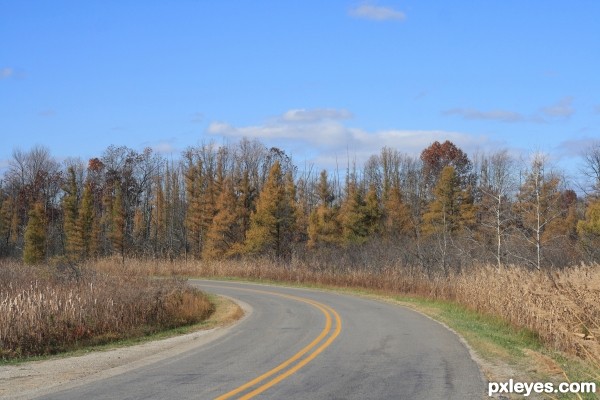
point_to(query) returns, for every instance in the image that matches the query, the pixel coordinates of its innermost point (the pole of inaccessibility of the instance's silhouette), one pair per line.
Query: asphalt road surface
(305, 344)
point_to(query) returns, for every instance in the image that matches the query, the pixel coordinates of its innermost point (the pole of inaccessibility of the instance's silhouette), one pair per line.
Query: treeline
(439, 211)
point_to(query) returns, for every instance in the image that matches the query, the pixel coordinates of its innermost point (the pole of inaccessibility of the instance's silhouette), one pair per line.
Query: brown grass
(561, 307)
(43, 311)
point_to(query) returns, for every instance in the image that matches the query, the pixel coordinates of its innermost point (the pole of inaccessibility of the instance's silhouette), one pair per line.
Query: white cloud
(597, 109)
(377, 13)
(562, 109)
(6, 73)
(164, 148)
(322, 141)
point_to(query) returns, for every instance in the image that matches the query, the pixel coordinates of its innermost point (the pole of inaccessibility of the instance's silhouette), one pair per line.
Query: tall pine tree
(224, 235)
(34, 251)
(70, 205)
(272, 224)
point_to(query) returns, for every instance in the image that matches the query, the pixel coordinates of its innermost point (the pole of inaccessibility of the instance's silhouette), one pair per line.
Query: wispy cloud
(314, 115)
(597, 109)
(197, 118)
(576, 147)
(376, 13)
(562, 109)
(494, 115)
(323, 140)
(6, 72)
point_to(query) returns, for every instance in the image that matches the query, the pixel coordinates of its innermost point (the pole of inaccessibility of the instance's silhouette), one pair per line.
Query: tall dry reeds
(44, 311)
(562, 307)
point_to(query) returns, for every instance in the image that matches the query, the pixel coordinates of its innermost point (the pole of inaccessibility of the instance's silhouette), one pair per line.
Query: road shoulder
(35, 378)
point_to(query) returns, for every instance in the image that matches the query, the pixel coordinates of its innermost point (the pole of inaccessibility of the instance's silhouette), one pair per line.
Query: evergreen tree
(352, 216)
(71, 228)
(591, 224)
(159, 217)
(323, 224)
(34, 251)
(396, 215)
(272, 224)
(224, 235)
(589, 231)
(88, 224)
(443, 214)
(302, 213)
(193, 219)
(373, 212)
(450, 211)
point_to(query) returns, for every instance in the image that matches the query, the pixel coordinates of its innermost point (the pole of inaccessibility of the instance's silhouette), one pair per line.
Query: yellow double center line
(286, 366)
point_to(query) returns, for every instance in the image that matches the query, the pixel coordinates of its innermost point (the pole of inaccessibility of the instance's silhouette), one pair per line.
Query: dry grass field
(44, 311)
(562, 307)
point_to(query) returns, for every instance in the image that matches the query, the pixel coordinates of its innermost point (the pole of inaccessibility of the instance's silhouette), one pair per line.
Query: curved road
(304, 344)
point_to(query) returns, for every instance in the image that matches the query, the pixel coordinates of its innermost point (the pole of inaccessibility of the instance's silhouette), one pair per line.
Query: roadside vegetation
(500, 236)
(523, 324)
(47, 310)
(561, 310)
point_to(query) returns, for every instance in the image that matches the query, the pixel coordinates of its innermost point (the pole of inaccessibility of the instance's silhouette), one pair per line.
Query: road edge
(32, 379)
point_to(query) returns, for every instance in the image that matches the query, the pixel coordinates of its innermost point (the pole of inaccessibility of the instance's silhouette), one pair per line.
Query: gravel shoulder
(36, 378)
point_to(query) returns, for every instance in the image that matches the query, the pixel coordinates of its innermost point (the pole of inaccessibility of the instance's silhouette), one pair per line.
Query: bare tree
(496, 185)
(590, 169)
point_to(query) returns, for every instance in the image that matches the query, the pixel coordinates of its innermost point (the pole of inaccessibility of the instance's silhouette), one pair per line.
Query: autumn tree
(89, 227)
(34, 251)
(5, 214)
(117, 233)
(438, 156)
(71, 228)
(538, 204)
(224, 237)
(302, 212)
(272, 224)
(589, 230)
(323, 224)
(359, 214)
(34, 176)
(159, 217)
(397, 220)
(193, 217)
(450, 211)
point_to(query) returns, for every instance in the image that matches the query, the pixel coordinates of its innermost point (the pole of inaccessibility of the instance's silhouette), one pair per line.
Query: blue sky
(318, 79)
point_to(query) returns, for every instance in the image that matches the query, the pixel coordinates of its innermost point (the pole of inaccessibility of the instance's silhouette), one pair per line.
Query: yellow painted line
(326, 311)
(302, 363)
